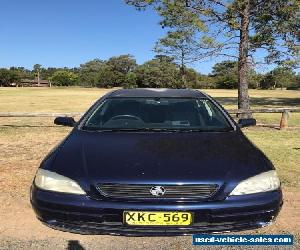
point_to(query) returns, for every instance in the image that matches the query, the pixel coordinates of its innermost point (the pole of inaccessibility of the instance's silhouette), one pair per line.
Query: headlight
(263, 182)
(51, 181)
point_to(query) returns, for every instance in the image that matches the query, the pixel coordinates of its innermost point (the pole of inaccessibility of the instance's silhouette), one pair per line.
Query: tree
(254, 79)
(185, 47)
(123, 63)
(160, 72)
(283, 77)
(110, 73)
(247, 25)
(37, 71)
(89, 72)
(295, 84)
(120, 66)
(130, 80)
(226, 74)
(21, 72)
(37, 67)
(107, 77)
(8, 77)
(192, 78)
(207, 82)
(64, 78)
(278, 77)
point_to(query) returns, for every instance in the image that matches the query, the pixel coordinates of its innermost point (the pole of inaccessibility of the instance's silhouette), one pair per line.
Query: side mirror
(65, 121)
(247, 122)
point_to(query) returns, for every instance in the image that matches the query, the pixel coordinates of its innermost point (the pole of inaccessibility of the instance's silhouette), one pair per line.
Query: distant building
(34, 83)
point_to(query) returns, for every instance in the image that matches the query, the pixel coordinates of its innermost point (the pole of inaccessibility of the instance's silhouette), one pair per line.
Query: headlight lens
(52, 181)
(263, 182)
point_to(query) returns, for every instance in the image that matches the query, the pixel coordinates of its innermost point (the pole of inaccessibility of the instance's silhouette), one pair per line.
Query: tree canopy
(160, 72)
(238, 28)
(64, 78)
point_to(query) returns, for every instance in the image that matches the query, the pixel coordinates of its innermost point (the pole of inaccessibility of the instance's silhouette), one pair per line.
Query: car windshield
(156, 114)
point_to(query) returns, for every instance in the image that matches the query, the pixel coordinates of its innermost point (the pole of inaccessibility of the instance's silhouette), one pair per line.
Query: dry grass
(263, 99)
(281, 146)
(79, 99)
(48, 99)
(283, 149)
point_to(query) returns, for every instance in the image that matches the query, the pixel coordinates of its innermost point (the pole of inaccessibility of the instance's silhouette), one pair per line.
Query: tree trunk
(183, 77)
(183, 71)
(243, 67)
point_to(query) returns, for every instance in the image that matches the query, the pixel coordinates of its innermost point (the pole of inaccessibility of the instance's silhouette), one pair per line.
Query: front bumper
(81, 214)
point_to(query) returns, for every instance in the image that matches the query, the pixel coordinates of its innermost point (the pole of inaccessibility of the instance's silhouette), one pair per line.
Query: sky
(59, 33)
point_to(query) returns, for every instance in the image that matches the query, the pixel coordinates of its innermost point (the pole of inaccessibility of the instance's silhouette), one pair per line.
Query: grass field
(281, 146)
(78, 99)
(25, 141)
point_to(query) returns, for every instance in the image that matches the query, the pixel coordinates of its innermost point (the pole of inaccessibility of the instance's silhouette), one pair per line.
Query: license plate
(153, 218)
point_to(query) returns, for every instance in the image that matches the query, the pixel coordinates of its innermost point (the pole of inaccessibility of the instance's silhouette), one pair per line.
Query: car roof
(159, 92)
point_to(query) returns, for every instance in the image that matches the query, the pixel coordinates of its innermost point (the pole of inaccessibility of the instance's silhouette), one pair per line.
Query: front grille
(132, 191)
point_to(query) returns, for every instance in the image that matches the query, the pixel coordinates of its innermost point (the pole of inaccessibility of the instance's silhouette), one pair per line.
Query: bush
(7, 77)
(64, 78)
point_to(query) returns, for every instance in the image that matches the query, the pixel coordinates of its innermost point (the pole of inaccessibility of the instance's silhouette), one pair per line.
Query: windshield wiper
(156, 129)
(142, 129)
(207, 130)
(131, 129)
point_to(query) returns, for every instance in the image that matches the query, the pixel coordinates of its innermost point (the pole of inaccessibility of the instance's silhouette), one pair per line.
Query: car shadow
(74, 245)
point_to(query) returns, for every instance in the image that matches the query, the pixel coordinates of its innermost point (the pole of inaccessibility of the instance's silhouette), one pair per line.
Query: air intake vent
(132, 191)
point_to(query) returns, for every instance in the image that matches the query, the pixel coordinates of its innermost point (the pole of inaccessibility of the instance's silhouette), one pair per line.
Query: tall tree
(37, 71)
(247, 25)
(186, 47)
(37, 67)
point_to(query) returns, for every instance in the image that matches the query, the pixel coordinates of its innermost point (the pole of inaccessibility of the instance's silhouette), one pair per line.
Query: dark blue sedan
(156, 162)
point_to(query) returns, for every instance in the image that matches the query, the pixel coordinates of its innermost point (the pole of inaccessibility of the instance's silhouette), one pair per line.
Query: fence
(283, 121)
(284, 113)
